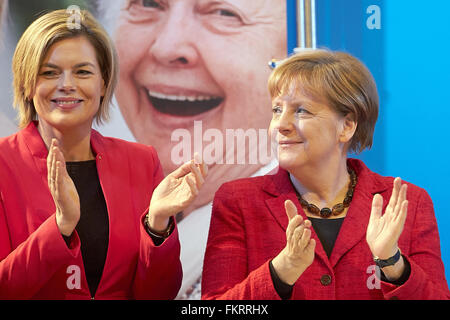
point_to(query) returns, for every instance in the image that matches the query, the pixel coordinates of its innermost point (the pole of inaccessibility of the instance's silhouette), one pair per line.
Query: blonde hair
(342, 80)
(34, 45)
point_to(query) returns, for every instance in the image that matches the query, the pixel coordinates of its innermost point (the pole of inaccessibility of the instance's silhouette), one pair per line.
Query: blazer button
(325, 279)
(100, 157)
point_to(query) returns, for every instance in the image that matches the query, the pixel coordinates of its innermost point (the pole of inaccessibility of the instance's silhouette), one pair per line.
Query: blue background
(410, 60)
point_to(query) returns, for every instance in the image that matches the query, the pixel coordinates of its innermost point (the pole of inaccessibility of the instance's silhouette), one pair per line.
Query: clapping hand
(384, 230)
(298, 254)
(176, 192)
(62, 188)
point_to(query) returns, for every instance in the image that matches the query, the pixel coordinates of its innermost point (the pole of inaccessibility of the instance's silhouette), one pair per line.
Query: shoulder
(244, 187)
(9, 146)
(8, 142)
(384, 185)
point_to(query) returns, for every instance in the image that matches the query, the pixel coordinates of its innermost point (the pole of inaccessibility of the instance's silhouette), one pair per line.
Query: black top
(327, 231)
(93, 227)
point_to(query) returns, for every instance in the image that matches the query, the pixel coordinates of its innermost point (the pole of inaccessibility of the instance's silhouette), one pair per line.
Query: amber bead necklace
(338, 208)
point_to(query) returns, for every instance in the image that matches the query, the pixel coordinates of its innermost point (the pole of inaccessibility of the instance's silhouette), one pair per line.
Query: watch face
(388, 262)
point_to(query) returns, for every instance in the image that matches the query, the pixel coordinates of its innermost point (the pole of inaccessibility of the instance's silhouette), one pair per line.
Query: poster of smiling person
(193, 78)
(7, 125)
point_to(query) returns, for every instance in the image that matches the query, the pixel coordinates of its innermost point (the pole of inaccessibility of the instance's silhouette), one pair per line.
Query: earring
(273, 64)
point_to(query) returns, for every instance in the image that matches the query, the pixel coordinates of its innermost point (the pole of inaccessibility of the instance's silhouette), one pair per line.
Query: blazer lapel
(113, 169)
(31, 137)
(354, 227)
(280, 188)
(355, 224)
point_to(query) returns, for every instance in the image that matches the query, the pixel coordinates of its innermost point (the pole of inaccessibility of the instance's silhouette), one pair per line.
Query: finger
(296, 235)
(377, 208)
(58, 179)
(401, 218)
(53, 170)
(291, 209)
(183, 170)
(294, 219)
(304, 240)
(307, 224)
(395, 192)
(298, 232)
(311, 247)
(292, 225)
(49, 156)
(197, 158)
(205, 169)
(401, 199)
(190, 180)
(200, 164)
(197, 175)
(49, 161)
(60, 156)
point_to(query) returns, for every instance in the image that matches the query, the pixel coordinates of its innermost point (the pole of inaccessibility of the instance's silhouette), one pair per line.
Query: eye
(276, 109)
(225, 13)
(48, 73)
(83, 72)
(151, 4)
(301, 110)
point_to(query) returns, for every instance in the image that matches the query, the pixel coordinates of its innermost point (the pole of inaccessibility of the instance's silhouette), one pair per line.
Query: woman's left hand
(384, 230)
(176, 192)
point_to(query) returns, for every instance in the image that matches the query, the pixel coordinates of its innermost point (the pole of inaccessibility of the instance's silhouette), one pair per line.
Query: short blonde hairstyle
(338, 78)
(34, 45)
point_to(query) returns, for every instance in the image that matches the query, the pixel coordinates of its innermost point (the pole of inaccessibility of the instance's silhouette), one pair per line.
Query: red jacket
(36, 263)
(248, 228)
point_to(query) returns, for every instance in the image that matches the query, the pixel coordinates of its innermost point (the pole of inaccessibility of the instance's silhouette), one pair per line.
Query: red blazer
(36, 263)
(248, 228)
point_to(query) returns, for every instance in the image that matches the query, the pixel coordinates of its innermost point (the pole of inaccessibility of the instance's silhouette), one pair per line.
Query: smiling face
(203, 60)
(306, 132)
(69, 85)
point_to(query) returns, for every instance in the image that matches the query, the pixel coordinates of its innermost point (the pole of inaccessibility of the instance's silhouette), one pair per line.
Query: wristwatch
(387, 262)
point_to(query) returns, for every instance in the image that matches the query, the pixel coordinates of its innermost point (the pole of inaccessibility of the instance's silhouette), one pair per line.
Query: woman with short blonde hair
(339, 78)
(82, 216)
(34, 45)
(323, 226)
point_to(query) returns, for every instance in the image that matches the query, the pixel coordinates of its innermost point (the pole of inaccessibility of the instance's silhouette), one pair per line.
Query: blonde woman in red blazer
(57, 240)
(323, 226)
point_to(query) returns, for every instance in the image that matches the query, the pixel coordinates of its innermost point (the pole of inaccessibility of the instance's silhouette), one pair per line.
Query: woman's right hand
(298, 254)
(63, 190)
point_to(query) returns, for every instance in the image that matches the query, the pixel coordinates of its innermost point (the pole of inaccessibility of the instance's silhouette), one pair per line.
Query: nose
(174, 45)
(66, 83)
(284, 122)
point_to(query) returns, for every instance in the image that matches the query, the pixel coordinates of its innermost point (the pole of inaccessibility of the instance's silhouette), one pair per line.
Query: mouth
(66, 103)
(181, 105)
(287, 143)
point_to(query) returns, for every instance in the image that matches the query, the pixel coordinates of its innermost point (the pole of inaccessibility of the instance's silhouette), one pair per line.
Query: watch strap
(387, 262)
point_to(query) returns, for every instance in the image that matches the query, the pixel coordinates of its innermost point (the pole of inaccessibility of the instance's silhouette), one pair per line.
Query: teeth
(67, 102)
(181, 98)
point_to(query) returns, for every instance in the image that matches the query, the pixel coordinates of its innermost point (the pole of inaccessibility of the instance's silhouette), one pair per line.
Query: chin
(288, 163)
(66, 123)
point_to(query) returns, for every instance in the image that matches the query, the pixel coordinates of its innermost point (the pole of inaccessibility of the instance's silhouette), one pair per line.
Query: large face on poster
(193, 78)
(200, 66)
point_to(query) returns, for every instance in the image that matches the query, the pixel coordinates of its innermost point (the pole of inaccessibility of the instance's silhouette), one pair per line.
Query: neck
(323, 185)
(74, 143)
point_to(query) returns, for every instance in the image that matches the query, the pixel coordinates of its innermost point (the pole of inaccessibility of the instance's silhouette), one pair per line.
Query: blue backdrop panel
(409, 59)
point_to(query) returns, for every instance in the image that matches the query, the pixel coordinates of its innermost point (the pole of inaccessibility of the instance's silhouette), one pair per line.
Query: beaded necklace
(338, 208)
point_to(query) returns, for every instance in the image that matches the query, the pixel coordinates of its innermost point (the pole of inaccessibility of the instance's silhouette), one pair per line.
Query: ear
(349, 126)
